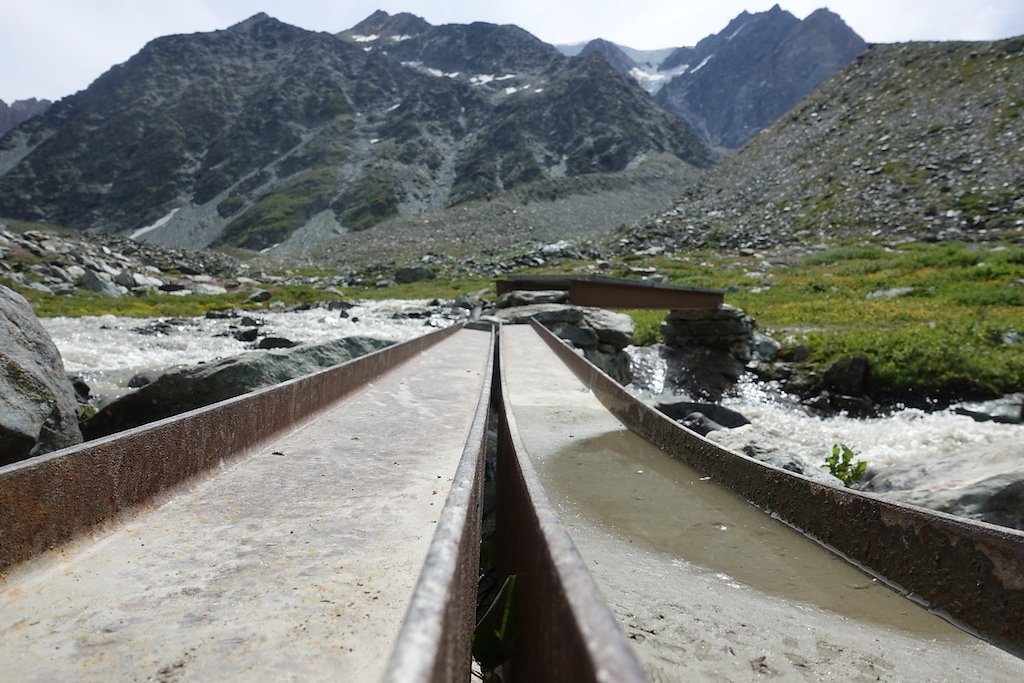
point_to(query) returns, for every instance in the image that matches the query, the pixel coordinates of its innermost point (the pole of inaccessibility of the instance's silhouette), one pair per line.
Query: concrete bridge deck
(328, 528)
(297, 562)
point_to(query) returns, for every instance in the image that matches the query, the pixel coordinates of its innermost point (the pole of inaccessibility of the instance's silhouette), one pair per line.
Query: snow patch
(374, 141)
(430, 71)
(399, 39)
(365, 39)
(482, 79)
(505, 77)
(701, 65)
(652, 81)
(150, 228)
(511, 90)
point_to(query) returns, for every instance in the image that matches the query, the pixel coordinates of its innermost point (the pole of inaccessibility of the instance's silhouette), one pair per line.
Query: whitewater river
(931, 459)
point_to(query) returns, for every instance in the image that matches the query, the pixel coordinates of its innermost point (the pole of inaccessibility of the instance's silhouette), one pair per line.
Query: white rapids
(107, 352)
(939, 460)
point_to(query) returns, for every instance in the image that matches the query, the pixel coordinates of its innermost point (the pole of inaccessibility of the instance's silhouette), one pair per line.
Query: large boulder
(185, 389)
(39, 411)
(95, 282)
(586, 327)
(523, 297)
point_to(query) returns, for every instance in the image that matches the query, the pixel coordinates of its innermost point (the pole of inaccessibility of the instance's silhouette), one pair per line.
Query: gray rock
(997, 499)
(126, 279)
(413, 274)
(141, 379)
(92, 281)
(614, 329)
(546, 314)
(1005, 507)
(848, 375)
(247, 334)
(208, 289)
(39, 287)
(1008, 410)
(616, 364)
(765, 347)
(259, 296)
(143, 280)
(700, 423)
(184, 389)
(580, 337)
(725, 417)
(276, 343)
(893, 293)
(40, 412)
(529, 298)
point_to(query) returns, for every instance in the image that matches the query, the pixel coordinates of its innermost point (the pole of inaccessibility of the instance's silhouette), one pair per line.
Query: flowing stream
(107, 351)
(939, 460)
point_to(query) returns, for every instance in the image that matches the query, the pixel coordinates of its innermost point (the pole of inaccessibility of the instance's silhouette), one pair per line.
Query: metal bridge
(328, 528)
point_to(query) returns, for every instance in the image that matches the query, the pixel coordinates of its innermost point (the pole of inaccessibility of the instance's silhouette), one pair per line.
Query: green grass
(440, 288)
(946, 334)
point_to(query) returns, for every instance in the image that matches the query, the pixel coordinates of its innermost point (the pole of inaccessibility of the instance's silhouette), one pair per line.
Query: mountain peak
(254, 20)
(619, 60)
(741, 79)
(380, 23)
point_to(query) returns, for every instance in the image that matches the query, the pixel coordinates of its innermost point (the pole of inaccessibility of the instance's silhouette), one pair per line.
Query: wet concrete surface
(704, 584)
(295, 563)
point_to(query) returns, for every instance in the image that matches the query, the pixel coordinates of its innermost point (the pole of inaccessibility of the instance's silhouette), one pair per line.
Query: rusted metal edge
(567, 632)
(434, 643)
(969, 572)
(611, 292)
(52, 499)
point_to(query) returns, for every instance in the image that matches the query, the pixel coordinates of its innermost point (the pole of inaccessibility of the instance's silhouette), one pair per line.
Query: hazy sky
(53, 48)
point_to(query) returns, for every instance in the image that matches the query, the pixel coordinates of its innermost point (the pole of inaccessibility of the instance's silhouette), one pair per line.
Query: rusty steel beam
(608, 292)
(49, 500)
(435, 641)
(567, 631)
(967, 571)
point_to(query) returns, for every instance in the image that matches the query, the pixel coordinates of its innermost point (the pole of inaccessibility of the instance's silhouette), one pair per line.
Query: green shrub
(840, 464)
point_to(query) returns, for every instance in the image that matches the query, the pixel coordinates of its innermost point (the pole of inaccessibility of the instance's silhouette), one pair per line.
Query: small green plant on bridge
(840, 464)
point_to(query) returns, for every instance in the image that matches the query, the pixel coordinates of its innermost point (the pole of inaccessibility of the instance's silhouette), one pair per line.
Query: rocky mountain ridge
(19, 111)
(733, 83)
(244, 136)
(916, 141)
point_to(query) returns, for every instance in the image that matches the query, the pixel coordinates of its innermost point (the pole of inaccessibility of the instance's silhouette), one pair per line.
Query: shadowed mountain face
(243, 136)
(19, 111)
(738, 81)
(917, 141)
